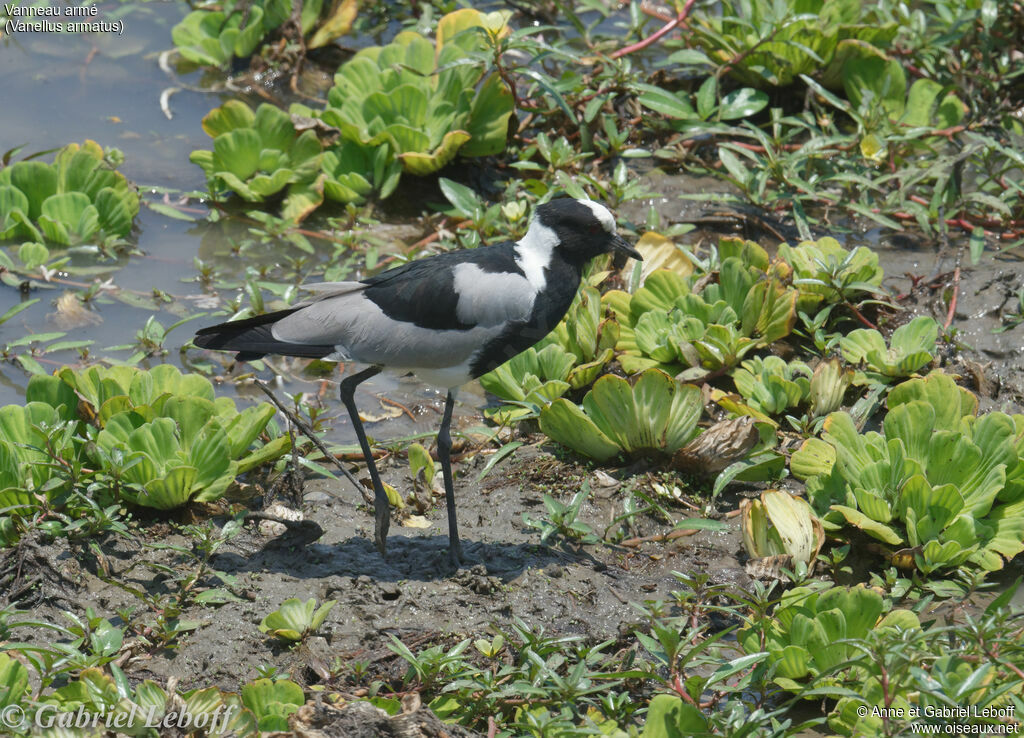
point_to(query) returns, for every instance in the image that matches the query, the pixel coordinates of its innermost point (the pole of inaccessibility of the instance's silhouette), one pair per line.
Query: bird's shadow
(419, 558)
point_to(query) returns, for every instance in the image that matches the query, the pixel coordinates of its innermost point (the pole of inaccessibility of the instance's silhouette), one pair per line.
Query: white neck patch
(605, 218)
(533, 253)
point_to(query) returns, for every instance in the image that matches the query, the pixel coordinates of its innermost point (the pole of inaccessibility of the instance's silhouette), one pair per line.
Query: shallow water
(60, 88)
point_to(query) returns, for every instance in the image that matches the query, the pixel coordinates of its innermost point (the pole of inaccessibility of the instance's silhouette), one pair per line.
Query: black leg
(381, 507)
(444, 455)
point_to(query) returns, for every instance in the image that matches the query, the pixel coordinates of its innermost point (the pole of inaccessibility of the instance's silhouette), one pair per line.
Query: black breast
(562, 281)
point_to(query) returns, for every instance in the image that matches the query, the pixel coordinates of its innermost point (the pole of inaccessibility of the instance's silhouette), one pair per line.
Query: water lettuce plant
(772, 385)
(213, 37)
(272, 701)
(156, 438)
(353, 172)
(824, 271)
(810, 631)
(80, 198)
(911, 347)
(258, 155)
(940, 485)
(667, 324)
(780, 524)
(528, 382)
(655, 415)
(171, 439)
(296, 619)
(29, 459)
(425, 101)
(765, 43)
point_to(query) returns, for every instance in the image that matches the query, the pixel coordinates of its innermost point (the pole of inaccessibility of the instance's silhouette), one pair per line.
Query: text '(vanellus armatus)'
(448, 319)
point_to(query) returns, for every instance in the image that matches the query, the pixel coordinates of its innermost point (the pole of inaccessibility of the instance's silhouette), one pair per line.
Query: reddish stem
(665, 29)
(952, 300)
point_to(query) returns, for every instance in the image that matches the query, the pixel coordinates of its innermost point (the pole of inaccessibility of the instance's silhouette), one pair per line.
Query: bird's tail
(253, 338)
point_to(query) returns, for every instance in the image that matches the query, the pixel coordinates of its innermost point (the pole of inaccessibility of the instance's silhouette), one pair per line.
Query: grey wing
(343, 316)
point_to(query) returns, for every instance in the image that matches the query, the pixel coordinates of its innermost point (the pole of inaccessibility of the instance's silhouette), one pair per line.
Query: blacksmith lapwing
(447, 318)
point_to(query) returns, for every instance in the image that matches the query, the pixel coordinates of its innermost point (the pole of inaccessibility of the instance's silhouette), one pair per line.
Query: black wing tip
(251, 338)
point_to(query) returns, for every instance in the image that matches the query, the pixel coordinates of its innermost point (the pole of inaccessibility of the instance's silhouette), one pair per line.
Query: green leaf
(707, 95)
(420, 461)
(666, 103)
(337, 24)
(669, 717)
(506, 450)
(566, 423)
(489, 117)
(742, 103)
(294, 619)
(882, 532)
(269, 700)
(462, 198)
(734, 166)
(17, 309)
(921, 101)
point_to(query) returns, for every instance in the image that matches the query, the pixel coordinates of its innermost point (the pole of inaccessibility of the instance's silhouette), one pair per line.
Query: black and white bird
(447, 318)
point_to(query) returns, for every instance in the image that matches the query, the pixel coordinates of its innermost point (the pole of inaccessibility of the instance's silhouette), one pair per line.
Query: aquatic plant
(811, 630)
(213, 37)
(657, 414)
(773, 385)
(272, 701)
(824, 271)
(257, 155)
(295, 619)
(167, 435)
(425, 101)
(780, 524)
(80, 198)
(940, 485)
(354, 172)
(35, 438)
(156, 438)
(770, 386)
(666, 324)
(911, 347)
(528, 381)
(771, 43)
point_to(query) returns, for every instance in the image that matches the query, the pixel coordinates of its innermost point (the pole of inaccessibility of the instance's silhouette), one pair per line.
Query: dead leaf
(660, 252)
(338, 23)
(389, 411)
(719, 446)
(416, 521)
(71, 313)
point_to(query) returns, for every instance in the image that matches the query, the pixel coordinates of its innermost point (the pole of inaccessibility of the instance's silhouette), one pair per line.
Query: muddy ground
(412, 593)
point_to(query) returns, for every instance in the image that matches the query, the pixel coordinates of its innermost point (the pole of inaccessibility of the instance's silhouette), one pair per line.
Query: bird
(447, 318)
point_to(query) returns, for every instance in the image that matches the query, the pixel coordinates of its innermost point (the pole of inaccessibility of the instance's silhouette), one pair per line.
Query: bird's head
(583, 229)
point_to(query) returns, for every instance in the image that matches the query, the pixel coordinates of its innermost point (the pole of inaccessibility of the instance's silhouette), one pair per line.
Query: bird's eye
(594, 230)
